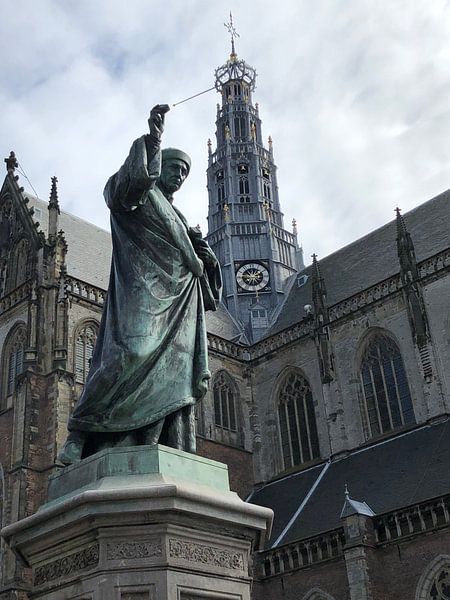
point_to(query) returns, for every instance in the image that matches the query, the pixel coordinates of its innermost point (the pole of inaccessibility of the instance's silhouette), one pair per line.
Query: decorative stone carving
(217, 557)
(440, 590)
(79, 561)
(131, 550)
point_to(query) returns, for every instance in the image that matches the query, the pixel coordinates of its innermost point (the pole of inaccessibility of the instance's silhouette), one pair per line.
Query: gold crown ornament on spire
(235, 69)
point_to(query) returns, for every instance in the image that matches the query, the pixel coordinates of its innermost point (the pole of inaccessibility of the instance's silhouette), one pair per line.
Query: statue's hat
(170, 153)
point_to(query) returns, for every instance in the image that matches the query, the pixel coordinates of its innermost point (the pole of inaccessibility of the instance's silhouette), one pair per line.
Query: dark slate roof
(406, 469)
(89, 247)
(221, 323)
(89, 259)
(371, 259)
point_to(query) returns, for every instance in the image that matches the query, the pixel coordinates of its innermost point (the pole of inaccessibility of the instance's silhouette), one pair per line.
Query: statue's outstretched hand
(156, 120)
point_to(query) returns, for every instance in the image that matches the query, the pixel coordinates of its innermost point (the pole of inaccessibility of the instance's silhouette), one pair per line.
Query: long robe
(150, 358)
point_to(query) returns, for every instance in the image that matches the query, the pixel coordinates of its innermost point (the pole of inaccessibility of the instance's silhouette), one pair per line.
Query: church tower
(245, 222)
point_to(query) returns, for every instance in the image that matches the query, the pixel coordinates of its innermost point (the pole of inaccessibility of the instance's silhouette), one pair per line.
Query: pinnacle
(53, 202)
(11, 162)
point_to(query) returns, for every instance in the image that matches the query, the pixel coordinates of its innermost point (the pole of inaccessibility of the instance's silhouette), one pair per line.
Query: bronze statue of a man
(149, 366)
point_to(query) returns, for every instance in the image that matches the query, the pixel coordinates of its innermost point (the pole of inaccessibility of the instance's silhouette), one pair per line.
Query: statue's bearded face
(173, 173)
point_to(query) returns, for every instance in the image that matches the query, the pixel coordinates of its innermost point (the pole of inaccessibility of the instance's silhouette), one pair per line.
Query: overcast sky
(355, 94)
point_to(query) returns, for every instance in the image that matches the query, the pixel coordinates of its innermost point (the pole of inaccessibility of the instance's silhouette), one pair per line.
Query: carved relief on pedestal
(132, 550)
(79, 561)
(210, 555)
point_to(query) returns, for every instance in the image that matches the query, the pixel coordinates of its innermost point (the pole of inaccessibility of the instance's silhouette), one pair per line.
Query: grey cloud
(354, 95)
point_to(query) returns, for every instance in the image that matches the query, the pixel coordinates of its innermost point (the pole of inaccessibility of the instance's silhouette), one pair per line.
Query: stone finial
(53, 202)
(270, 143)
(11, 162)
(294, 227)
(209, 146)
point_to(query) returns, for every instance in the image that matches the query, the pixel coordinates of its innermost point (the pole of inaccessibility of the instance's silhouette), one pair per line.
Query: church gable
(19, 235)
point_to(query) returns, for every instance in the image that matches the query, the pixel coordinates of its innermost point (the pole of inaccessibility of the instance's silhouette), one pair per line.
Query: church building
(330, 390)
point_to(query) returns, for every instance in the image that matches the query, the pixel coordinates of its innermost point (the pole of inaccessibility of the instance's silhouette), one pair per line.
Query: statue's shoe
(71, 452)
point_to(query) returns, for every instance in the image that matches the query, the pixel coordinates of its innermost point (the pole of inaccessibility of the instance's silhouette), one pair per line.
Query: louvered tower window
(224, 402)
(220, 192)
(13, 359)
(84, 349)
(386, 396)
(297, 421)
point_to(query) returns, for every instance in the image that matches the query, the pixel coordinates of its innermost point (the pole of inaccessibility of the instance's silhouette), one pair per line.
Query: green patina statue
(149, 366)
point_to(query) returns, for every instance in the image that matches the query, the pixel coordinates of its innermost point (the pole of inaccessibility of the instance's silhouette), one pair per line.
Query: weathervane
(233, 33)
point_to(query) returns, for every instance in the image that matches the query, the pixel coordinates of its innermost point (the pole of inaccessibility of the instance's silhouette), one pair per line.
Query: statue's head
(175, 167)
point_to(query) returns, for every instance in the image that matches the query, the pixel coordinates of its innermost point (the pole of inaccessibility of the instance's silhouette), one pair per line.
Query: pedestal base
(132, 531)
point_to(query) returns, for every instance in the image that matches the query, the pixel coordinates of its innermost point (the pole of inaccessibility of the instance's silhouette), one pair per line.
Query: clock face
(252, 277)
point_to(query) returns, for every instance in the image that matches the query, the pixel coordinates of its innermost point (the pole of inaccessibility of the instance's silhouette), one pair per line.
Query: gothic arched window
(266, 191)
(85, 339)
(224, 402)
(434, 583)
(244, 187)
(13, 355)
(220, 192)
(297, 421)
(240, 127)
(386, 398)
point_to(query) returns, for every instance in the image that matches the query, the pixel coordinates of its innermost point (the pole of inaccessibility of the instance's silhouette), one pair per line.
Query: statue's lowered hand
(156, 120)
(207, 256)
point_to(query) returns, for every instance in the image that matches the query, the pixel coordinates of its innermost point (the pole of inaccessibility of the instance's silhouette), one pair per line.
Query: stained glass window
(13, 359)
(224, 402)
(297, 421)
(84, 349)
(386, 395)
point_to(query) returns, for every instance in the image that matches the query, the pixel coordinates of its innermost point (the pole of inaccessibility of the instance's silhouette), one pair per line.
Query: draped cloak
(150, 358)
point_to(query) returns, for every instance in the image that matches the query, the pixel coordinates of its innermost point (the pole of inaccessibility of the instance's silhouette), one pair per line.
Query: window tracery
(224, 402)
(385, 390)
(297, 421)
(13, 359)
(434, 584)
(84, 348)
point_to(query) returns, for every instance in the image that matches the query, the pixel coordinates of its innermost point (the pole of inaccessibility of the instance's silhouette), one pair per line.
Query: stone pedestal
(144, 523)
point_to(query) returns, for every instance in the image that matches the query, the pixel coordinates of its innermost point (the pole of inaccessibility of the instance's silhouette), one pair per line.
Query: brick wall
(240, 463)
(399, 566)
(329, 577)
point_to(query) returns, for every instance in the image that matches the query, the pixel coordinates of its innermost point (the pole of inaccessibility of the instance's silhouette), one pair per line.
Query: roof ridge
(32, 198)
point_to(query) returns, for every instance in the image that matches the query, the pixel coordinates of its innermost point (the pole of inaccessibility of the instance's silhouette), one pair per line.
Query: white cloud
(354, 95)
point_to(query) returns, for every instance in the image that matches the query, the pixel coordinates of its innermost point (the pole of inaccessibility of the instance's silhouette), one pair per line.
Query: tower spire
(234, 34)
